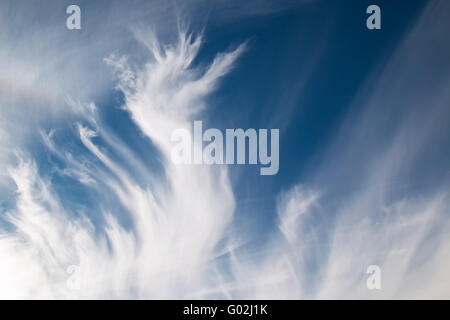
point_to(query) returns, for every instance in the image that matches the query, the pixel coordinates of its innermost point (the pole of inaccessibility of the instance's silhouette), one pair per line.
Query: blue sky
(86, 180)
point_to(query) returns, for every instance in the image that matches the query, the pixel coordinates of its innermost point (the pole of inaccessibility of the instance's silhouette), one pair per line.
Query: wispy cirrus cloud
(374, 199)
(170, 250)
(173, 235)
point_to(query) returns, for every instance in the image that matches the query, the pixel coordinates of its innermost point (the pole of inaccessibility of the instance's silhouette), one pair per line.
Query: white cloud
(180, 241)
(177, 225)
